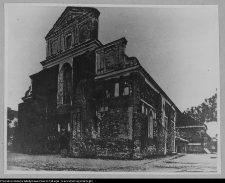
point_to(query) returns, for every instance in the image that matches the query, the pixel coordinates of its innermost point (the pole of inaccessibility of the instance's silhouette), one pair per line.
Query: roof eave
(157, 86)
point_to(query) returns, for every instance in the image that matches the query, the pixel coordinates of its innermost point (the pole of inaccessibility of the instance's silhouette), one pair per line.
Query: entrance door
(178, 149)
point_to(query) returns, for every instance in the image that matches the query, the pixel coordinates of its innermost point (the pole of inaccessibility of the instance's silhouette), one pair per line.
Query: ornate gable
(112, 57)
(75, 26)
(69, 15)
(63, 21)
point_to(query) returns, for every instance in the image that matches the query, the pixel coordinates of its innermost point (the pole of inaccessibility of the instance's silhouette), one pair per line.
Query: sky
(177, 45)
(212, 129)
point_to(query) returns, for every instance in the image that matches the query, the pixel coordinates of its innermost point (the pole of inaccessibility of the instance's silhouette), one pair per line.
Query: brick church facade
(101, 100)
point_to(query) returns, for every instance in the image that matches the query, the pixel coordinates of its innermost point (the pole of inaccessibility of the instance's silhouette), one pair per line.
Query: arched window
(67, 79)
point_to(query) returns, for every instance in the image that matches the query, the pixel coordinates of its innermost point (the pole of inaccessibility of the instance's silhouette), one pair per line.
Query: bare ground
(177, 163)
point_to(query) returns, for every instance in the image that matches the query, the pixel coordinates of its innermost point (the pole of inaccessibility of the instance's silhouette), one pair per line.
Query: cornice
(92, 44)
(152, 81)
(117, 72)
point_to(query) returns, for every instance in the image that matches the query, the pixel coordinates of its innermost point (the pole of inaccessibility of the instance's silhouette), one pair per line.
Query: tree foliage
(205, 112)
(12, 123)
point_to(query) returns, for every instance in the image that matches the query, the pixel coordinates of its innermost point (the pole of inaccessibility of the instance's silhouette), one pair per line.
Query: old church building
(100, 100)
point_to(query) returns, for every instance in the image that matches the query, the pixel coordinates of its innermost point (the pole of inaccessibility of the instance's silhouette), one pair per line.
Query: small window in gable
(68, 41)
(84, 33)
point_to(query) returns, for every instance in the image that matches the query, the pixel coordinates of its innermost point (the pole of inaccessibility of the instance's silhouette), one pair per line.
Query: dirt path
(178, 163)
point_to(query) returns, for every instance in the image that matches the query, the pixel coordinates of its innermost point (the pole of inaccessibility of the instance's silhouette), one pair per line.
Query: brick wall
(114, 118)
(110, 126)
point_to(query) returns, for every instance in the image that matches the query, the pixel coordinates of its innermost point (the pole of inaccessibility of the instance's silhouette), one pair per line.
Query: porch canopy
(179, 139)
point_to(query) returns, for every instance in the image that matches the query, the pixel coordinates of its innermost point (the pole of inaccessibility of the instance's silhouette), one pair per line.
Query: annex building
(101, 101)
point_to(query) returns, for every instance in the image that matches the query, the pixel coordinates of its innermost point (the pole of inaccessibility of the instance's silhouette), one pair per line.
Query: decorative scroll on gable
(75, 26)
(64, 21)
(112, 57)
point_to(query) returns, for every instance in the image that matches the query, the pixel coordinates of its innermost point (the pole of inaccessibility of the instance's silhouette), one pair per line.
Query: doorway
(178, 149)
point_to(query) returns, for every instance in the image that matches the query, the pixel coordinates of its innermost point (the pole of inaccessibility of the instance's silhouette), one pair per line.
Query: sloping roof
(185, 120)
(147, 75)
(181, 139)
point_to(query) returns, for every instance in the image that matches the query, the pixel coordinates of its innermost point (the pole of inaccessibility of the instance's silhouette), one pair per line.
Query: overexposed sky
(213, 129)
(177, 45)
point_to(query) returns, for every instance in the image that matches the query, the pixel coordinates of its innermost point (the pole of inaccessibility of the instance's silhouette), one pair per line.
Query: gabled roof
(69, 15)
(185, 120)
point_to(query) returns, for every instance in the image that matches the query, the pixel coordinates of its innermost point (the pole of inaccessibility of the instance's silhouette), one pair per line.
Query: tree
(12, 122)
(205, 112)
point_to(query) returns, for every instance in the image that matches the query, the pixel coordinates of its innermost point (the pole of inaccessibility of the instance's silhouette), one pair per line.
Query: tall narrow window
(126, 90)
(167, 109)
(146, 111)
(95, 123)
(117, 90)
(107, 93)
(143, 109)
(107, 89)
(68, 127)
(58, 127)
(67, 76)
